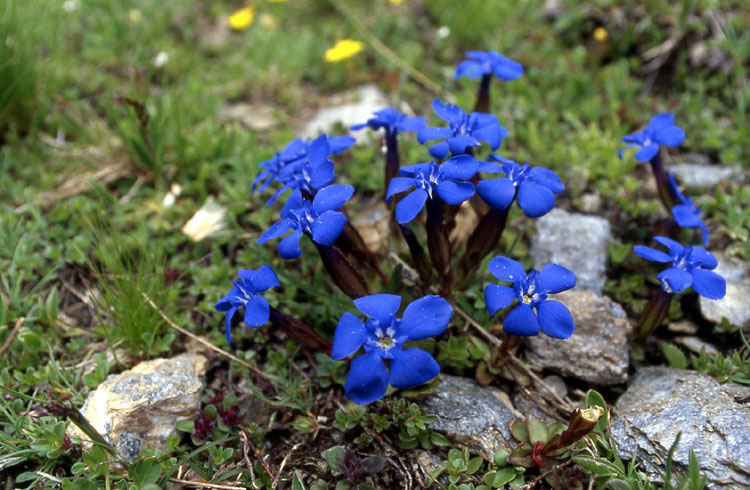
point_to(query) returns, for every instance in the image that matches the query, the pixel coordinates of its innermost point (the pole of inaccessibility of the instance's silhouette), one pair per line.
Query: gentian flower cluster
(464, 131)
(482, 63)
(531, 291)
(246, 292)
(383, 336)
(691, 266)
(661, 130)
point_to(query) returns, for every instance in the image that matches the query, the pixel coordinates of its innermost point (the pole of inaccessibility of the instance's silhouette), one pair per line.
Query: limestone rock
(702, 175)
(145, 403)
(661, 402)
(255, 117)
(576, 241)
(597, 351)
(475, 417)
(348, 108)
(735, 306)
(374, 225)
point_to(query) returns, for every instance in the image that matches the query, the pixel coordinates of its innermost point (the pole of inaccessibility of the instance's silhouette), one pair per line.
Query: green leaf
(675, 357)
(501, 457)
(474, 465)
(297, 481)
(519, 430)
(31, 341)
(333, 455)
(618, 484)
(83, 484)
(146, 471)
(594, 398)
(599, 467)
(186, 426)
(537, 430)
(439, 439)
(497, 479)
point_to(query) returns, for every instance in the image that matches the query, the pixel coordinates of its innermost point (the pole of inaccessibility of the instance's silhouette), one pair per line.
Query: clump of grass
(129, 272)
(17, 71)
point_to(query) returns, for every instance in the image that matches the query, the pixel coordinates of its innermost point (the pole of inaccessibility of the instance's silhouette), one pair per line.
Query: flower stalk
(300, 331)
(439, 245)
(482, 241)
(654, 314)
(343, 274)
(483, 94)
(392, 162)
(666, 192)
(419, 258)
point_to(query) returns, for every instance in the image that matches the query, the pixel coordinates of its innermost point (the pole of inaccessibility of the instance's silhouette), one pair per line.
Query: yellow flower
(135, 16)
(396, 2)
(343, 49)
(600, 34)
(277, 1)
(242, 19)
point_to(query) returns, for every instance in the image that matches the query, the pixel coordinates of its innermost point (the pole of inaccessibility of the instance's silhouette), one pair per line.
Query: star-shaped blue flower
(383, 336)
(318, 219)
(393, 122)
(464, 131)
(552, 317)
(246, 292)
(445, 180)
(661, 130)
(294, 152)
(536, 187)
(691, 266)
(482, 63)
(687, 214)
(308, 173)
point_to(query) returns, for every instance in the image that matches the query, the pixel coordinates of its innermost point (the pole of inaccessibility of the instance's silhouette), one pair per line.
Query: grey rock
(704, 174)
(475, 417)
(597, 351)
(661, 402)
(695, 344)
(255, 117)
(143, 406)
(735, 306)
(351, 107)
(683, 326)
(591, 202)
(576, 241)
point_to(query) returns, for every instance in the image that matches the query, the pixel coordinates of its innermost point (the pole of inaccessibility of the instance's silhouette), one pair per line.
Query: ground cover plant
(159, 198)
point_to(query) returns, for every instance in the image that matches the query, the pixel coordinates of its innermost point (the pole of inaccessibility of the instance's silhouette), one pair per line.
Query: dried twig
(198, 484)
(283, 463)
(12, 335)
(249, 464)
(256, 454)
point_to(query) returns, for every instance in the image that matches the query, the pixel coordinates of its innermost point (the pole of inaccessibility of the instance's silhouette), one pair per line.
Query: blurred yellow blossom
(396, 2)
(135, 16)
(343, 49)
(600, 34)
(242, 19)
(277, 1)
(268, 21)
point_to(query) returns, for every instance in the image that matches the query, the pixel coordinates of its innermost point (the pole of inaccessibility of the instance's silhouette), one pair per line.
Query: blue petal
(357, 127)
(412, 170)
(670, 136)
(709, 284)
(492, 135)
(440, 150)
(468, 68)
(228, 323)
(498, 193)
(460, 142)
(276, 194)
(350, 335)
(547, 178)
(323, 175)
(380, 307)
(651, 254)
(410, 206)
(427, 134)
(295, 201)
(447, 112)
(507, 69)
(225, 303)
(686, 216)
(460, 167)
(337, 144)
(507, 269)
(555, 319)
(704, 233)
(661, 121)
(426, 317)
(265, 278)
(646, 153)
(332, 197)
(675, 248)
(317, 151)
(327, 227)
(412, 367)
(521, 321)
(554, 279)
(367, 380)
(675, 280)
(497, 297)
(289, 247)
(257, 311)
(276, 230)
(621, 150)
(703, 258)
(489, 167)
(415, 123)
(398, 184)
(453, 192)
(535, 200)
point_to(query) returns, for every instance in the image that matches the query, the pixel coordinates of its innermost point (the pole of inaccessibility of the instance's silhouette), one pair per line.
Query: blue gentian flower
(445, 180)
(295, 151)
(687, 214)
(552, 317)
(308, 173)
(246, 292)
(536, 187)
(690, 267)
(464, 131)
(482, 63)
(318, 219)
(661, 130)
(383, 336)
(392, 121)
